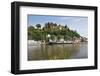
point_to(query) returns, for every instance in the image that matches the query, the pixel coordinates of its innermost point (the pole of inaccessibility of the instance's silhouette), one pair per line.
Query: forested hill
(51, 31)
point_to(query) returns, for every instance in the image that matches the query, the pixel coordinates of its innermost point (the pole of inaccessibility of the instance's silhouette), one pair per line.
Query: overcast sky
(80, 24)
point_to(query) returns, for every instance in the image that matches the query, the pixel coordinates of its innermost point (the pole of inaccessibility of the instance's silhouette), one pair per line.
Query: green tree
(31, 27)
(52, 37)
(66, 27)
(38, 25)
(59, 37)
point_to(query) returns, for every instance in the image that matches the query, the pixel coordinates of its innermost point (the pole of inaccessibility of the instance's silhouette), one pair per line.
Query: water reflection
(54, 52)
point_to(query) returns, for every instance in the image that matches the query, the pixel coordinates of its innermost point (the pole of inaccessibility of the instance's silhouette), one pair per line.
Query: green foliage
(38, 25)
(52, 37)
(60, 37)
(54, 30)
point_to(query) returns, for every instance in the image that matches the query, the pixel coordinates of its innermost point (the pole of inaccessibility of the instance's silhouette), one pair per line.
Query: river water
(58, 51)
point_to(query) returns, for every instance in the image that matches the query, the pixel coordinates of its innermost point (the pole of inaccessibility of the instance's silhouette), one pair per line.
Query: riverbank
(35, 43)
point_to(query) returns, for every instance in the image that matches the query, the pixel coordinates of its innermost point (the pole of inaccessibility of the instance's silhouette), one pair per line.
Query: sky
(78, 23)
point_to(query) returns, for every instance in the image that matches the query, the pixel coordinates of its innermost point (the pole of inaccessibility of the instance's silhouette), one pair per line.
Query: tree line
(51, 31)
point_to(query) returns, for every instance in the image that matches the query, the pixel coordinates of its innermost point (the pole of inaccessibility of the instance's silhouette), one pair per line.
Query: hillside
(51, 31)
